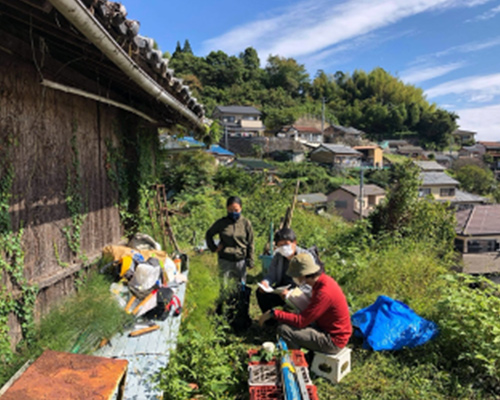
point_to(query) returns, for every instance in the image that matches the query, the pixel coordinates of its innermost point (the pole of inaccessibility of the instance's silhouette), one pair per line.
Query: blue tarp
(389, 324)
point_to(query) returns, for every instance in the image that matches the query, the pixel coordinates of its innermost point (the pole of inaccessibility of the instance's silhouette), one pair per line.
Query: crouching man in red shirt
(325, 324)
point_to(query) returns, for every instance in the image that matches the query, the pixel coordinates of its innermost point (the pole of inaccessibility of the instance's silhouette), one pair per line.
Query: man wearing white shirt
(286, 242)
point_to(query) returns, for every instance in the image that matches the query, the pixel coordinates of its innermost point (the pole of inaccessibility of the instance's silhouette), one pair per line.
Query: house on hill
(341, 134)
(336, 155)
(308, 134)
(239, 121)
(82, 97)
(462, 136)
(478, 238)
(315, 201)
(347, 201)
(373, 156)
(492, 149)
(442, 187)
(280, 149)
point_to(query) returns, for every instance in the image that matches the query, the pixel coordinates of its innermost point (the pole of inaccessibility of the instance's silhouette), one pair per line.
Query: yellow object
(126, 264)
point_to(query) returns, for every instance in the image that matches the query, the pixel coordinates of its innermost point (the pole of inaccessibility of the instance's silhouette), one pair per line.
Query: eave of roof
(140, 64)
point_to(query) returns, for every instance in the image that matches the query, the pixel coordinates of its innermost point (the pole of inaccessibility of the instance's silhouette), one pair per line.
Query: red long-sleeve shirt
(327, 308)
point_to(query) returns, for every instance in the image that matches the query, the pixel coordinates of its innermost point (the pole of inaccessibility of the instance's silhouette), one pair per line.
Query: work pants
(307, 338)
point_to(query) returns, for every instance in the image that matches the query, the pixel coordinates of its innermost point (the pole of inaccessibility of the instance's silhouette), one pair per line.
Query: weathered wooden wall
(41, 123)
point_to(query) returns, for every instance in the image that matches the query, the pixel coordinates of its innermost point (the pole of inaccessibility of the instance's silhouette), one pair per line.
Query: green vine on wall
(74, 200)
(12, 264)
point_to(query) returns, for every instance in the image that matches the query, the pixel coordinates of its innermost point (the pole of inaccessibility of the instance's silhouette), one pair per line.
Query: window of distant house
(372, 200)
(424, 192)
(448, 192)
(340, 204)
(229, 118)
(482, 246)
(459, 245)
(250, 118)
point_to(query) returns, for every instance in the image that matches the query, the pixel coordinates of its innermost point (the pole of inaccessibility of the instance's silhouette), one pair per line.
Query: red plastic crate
(275, 393)
(298, 358)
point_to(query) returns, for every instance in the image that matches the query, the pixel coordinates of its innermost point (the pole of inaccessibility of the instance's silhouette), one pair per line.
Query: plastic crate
(298, 358)
(275, 393)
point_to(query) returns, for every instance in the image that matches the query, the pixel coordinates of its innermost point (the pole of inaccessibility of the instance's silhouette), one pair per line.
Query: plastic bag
(144, 279)
(389, 324)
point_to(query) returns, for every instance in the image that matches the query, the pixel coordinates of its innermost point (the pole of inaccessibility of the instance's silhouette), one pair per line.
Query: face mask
(286, 250)
(234, 215)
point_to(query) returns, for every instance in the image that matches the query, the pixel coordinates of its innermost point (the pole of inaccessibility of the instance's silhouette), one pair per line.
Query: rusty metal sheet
(58, 375)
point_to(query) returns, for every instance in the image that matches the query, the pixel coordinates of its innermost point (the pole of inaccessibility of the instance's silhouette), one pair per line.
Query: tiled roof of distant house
(349, 130)
(462, 132)
(312, 198)
(368, 190)
(238, 110)
(429, 166)
(340, 149)
(491, 145)
(437, 178)
(465, 197)
(308, 129)
(479, 220)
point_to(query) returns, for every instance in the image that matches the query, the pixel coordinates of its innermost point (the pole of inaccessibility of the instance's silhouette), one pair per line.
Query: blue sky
(449, 48)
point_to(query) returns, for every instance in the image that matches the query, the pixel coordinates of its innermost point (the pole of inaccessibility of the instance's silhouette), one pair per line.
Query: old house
(442, 187)
(492, 151)
(310, 134)
(478, 238)
(336, 155)
(279, 149)
(314, 201)
(82, 97)
(341, 134)
(462, 136)
(239, 121)
(349, 200)
(372, 155)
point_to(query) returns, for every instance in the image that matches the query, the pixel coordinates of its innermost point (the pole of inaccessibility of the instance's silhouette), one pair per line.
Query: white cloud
(313, 26)
(487, 15)
(483, 120)
(421, 74)
(475, 88)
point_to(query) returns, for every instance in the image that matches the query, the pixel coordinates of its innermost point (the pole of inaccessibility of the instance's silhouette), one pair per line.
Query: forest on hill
(376, 102)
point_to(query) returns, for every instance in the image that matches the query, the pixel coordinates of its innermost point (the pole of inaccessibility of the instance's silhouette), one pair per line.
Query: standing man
(325, 325)
(286, 249)
(236, 246)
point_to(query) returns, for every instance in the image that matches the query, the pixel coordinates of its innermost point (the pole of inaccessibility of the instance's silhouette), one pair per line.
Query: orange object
(142, 331)
(143, 302)
(177, 262)
(58, 375)
(129, 304)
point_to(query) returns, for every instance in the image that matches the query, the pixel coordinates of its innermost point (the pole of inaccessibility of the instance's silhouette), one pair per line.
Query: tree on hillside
(187, 47)
(286, 73)
(404, 214)
(475, 179)
(178, 50)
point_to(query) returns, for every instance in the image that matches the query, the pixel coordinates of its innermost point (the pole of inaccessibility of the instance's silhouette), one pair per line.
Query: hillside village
(103, 137)
(247, 144)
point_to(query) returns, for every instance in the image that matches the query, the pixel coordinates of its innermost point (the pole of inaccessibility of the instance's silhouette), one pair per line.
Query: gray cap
(301, 265)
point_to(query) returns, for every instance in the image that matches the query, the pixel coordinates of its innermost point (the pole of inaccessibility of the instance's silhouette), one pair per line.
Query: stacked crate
(265, 377)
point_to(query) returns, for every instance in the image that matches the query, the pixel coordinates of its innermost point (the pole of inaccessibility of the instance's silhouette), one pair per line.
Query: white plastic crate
(332, 366)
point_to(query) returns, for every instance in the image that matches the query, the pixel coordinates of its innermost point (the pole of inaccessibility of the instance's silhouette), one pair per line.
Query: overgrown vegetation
(76, 325)
(404, 251)
(376, 102)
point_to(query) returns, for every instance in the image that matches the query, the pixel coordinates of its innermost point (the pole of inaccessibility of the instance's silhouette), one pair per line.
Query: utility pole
(361, 194)
(323, 120)
(225, 137)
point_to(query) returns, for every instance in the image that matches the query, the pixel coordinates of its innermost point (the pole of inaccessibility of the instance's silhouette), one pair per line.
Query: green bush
(467, 313)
